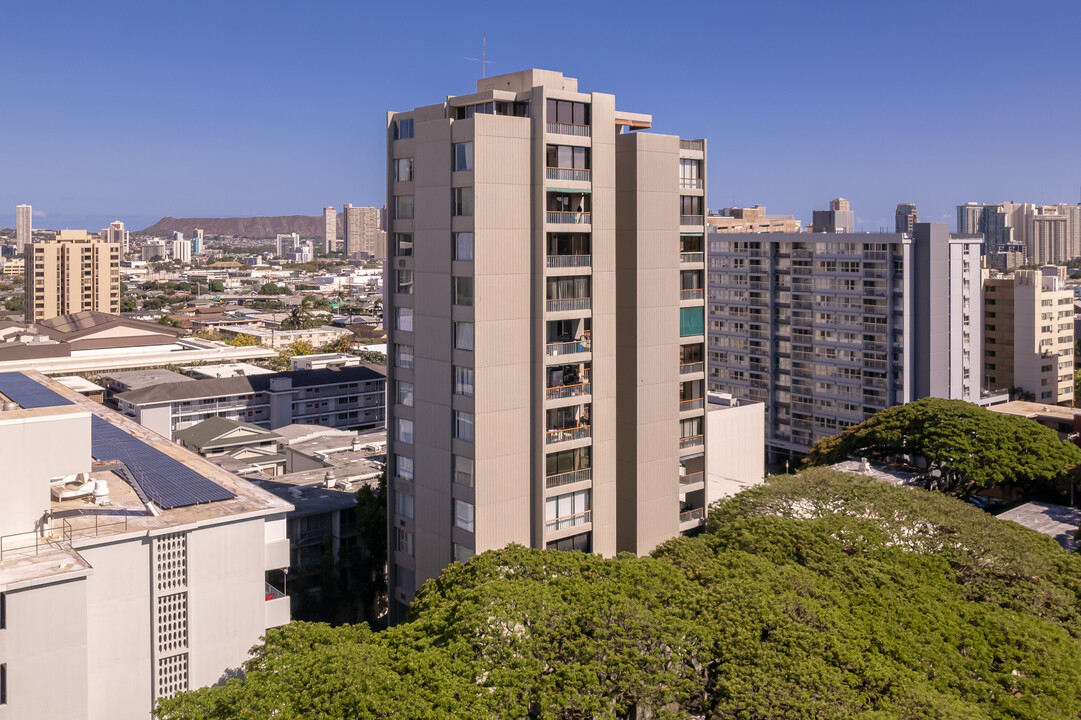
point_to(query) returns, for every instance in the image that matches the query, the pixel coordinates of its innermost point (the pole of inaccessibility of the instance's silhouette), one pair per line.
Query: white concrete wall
(735, 442)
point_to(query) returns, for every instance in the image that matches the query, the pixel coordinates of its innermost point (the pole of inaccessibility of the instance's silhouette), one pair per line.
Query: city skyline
(800, 111)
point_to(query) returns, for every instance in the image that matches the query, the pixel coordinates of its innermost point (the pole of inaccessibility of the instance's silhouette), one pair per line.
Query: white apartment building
(130, 569)
(24, 226)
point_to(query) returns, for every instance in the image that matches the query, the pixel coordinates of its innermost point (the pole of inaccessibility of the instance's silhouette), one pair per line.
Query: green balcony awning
(573, 191)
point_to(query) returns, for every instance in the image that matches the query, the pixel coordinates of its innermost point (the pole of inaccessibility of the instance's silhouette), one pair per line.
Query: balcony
(691, 368)
(687, 219)
(568, 305)
(691, 442)
(691, 479)
(692, 294)
(568, 521)
(568, 478)
(576, 218)
(566, 391)
(568, 129)
(691, 183)
(572, 347)
(695, 514)
(692, 257)
(572, 174)
(692, 404)
(277, 607)
(581, 432)
(699, 145)
(569, 261)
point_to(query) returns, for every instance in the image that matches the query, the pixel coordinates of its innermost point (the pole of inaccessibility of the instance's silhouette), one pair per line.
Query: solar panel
(28, 392)
(165, 480)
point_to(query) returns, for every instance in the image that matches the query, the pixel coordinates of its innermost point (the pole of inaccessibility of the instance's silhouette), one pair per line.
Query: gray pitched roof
(206, 435)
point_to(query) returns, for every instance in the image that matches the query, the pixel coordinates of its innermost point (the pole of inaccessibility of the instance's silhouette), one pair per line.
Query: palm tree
(300, 316)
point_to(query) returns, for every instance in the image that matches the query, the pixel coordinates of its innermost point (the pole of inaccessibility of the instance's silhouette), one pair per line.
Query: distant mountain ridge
(252, 227)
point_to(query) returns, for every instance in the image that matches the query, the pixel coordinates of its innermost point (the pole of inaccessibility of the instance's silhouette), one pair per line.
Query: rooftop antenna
(483, 59)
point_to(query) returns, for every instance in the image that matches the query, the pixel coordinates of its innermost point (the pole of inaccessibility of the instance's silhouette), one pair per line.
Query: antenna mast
(483, 59)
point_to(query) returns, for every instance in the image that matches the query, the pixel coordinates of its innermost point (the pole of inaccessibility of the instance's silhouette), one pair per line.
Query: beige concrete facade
(752, 220)
(513, 294)
(362, 232)
(1029, 336)
(71, 273)
(116, 233)
(330, 229)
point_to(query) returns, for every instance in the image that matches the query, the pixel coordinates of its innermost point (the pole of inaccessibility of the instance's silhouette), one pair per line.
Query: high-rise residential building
(286, 243)
(905, 218)
(330, 229)
(838, 219)
(363, 236)
(181, 249)
(24, 227)
(1043, 233)
(545, 319)
(72, 272)
(197, 241)
(751, 220)
(827, 329)
(116, 233)
(1028, 340)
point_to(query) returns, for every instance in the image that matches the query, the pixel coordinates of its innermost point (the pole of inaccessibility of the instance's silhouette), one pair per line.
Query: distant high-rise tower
(181, 249)
(362, 233)
(838, 219)
(75, 271)
(197, 241)
(330, 229)
(116, 233)
(905, 218)
(23, 227)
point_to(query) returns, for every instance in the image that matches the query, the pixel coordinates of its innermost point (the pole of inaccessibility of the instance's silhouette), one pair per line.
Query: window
(403, 207)
(403, 170)
(405, 466)
(403, 244)
(463, 426)
(463, 515)
(463, 156)
(690, 205)
(404, 358)
(463, 336)
(463, 381)
(405, 431)
(404, 282)
(568, 157)
(403, 541)
(563, 507)
(404, 577)
(568, 112)
(405, 393)
(567, 461)
(462, 553)
(463, 246)
(404, 319)
(691, 321)
(463, 470)
(403, 129)
(461, 202)
(463, 291)
(403, 504)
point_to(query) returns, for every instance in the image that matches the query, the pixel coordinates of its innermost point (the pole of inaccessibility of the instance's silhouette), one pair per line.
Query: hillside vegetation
(822, 595)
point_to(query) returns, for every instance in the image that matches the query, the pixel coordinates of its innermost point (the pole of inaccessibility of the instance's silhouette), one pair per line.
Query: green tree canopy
(243, 340)
(823, 595)
(272, 289)
(962, 448)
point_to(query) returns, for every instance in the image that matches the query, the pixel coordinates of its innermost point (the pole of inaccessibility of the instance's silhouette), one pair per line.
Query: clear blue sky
(135, 110)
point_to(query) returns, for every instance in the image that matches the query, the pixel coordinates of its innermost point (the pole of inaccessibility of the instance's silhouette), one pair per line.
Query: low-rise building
(239, 447)
(281, 339)
(323, 360)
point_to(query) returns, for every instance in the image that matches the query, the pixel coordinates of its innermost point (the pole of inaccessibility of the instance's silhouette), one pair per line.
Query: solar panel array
(166, 481)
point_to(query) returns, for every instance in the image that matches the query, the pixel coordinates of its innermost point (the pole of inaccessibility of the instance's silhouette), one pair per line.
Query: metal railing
(691, 478)
(580, 432)
(692, 183)
(565, 391)
(573, 174)
(692, 294)
(691, 441)
(692, 404)
(691, 367)
(567, 348)
(692, 257)
(567, 478)
(696, 514)
(36, 541)
(568, 521)
(568, 304)
(581, 218)
(565, 261)
(273, 593)
(568, 129)
(688, 220)
(692, 145)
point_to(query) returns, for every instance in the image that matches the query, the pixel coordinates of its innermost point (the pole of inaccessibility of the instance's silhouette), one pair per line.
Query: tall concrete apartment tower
(197, 241)
(330, 229)
(838, 219)
(363, 235)
(544, 310)
(24, 227)
(116, 233)
(905, 218)
(70, 273)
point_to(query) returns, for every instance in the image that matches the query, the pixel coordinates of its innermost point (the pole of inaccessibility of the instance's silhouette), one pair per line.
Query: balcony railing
(691, 441)
(692, 257)
(569, 521)
(691, 183)
(567, 434)
(565, 391)
(692, 145)
(273, 593)
(686, 220)
(692, 294)
(567, 348)
(568, 478)
(568, 304)
(573, 174)
(566, 261)
(568, 129)
(692, 404)
(696, 514)
(578, 218)
(691, 368)
(691, 478)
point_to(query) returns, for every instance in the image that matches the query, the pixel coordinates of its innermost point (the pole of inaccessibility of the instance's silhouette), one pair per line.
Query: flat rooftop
(1056, 521)
(1034, 410)
(226, 370)
(137, 379)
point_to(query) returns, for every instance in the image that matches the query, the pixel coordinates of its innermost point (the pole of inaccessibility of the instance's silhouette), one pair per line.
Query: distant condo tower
(905, 218)
(116, 233)
(362, 233)
(73, 272)
(330, 229)
(23, 227)
(197, 241)
(838, 219)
